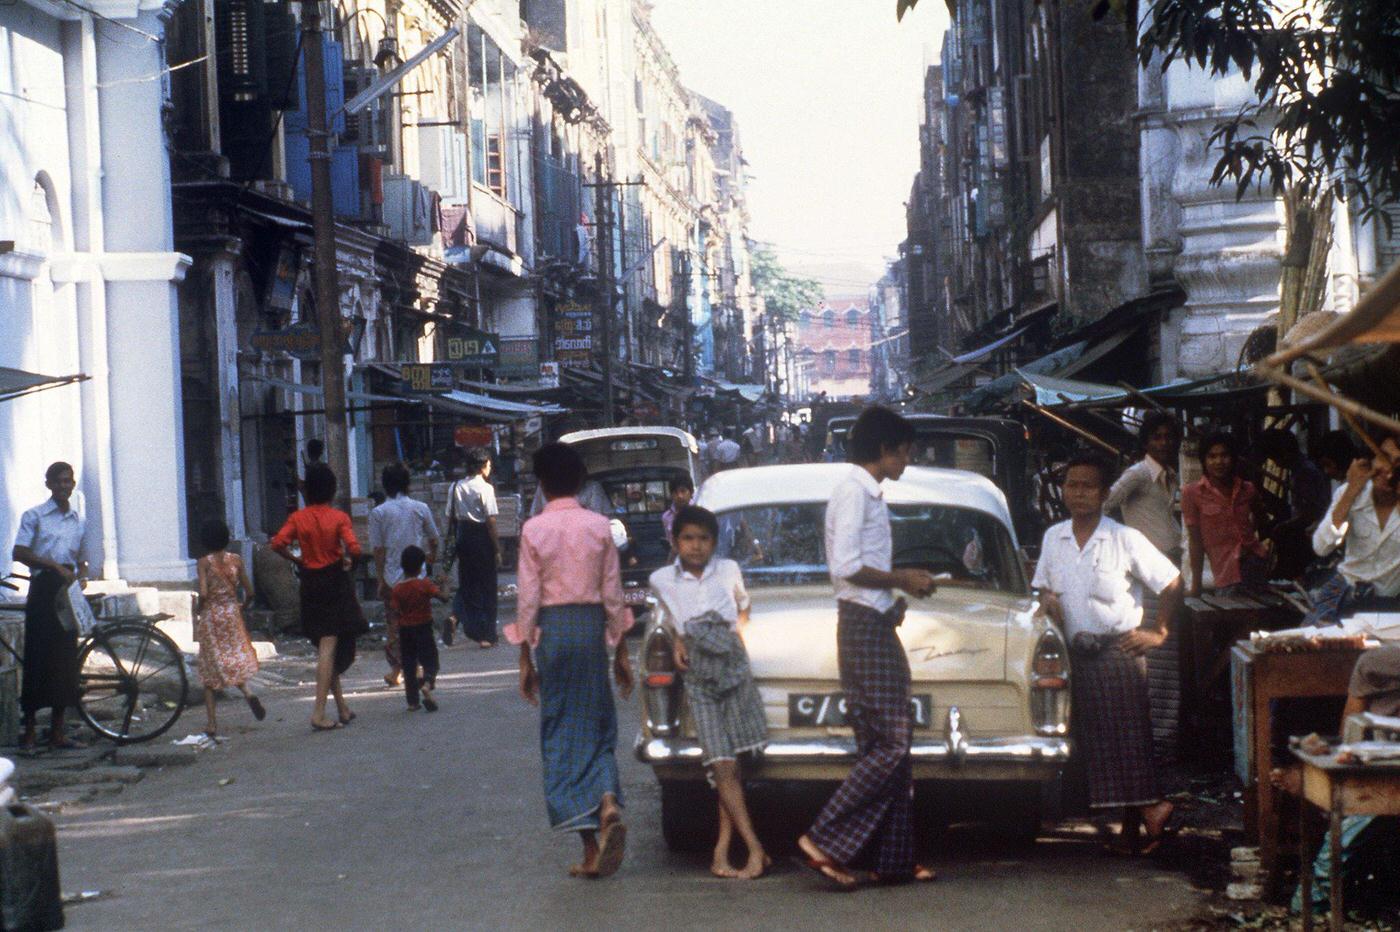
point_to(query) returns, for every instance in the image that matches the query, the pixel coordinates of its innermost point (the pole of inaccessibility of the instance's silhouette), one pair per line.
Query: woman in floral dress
(226, 656)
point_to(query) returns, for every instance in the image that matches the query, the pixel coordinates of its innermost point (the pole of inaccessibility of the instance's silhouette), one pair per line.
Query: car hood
(954, 635)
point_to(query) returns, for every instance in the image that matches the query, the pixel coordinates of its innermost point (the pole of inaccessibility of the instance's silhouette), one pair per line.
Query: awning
(1375, 319)
(995, 390)
(749, 392)
(488, 408)
(317, 392)
(1051, 391)
(982, 352)
(944, 377)
(17, 382)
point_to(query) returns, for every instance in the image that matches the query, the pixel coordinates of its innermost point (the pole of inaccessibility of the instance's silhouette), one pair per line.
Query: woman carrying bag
(471, 518)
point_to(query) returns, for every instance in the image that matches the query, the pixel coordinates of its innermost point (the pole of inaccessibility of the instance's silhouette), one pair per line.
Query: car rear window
(783, 544)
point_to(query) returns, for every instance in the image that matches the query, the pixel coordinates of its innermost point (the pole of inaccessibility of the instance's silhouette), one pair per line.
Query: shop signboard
(520, 357)
(573, 335)
(473, 436)
(428, 377)
(301, 340)
(469, 347)
(549, 374)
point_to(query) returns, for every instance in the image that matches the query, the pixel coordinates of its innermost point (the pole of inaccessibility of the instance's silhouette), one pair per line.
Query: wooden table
(1340, 790)
(1210, 626)
(1257, 679)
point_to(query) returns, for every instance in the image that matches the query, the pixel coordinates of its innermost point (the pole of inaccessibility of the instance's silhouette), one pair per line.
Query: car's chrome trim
(1023, 749)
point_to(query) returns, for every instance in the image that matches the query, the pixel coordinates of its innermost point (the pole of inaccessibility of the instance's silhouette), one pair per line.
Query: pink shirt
(567, 557)
(1226, 524)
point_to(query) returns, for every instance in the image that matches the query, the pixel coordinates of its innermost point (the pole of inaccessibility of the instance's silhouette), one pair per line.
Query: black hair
(1281, 446)
(213, 535)
(876, 431)
(694, 515)
(315, 448)
(681, 482)
(319, 487)
(476, 459)
(396, 479)
(1336, 445)
(1219, 438)
(1154, 421)
(1093, 460)
(57, 469)
(412, 561)
(559, 469)
(376, 496)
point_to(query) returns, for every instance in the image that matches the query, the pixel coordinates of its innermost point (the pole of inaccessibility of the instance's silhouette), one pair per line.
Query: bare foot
(582, 870)
(609, 812)
(1155, 818)
(817, 859)
(721, 867)
(756, 868)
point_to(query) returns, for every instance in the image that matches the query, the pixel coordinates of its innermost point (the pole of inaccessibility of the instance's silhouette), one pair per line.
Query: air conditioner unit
(408, 208)
(442, 161)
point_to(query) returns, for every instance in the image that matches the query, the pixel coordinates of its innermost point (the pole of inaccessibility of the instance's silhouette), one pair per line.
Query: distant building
(834, 340)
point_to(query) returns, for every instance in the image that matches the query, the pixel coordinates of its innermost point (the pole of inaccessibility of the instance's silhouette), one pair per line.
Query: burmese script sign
(573, 335)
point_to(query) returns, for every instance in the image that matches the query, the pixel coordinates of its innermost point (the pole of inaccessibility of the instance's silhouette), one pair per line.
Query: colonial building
(835, 341)
(88, 273)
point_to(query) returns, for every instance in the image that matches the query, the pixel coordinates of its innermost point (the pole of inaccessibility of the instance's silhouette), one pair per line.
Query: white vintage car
(990, 674)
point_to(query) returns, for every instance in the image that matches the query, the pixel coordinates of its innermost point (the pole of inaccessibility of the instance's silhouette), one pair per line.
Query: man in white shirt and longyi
(1364, 517)
(1091, 575)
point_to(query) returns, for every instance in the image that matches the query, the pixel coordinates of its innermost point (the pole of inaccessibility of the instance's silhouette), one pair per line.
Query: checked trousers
(872, 811)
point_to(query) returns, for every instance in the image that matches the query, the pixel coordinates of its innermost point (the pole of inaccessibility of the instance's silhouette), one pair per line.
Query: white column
(142, 312)
(222, 269)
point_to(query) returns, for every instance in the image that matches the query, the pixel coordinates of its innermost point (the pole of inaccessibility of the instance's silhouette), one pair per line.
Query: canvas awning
(488, 408)
(17, 382)
(984, 351)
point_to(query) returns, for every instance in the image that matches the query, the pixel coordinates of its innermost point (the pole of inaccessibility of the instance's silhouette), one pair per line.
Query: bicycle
(132, 685)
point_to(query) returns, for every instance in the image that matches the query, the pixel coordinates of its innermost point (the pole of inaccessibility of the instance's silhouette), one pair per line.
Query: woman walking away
(330, 615)
(1218, 510)
(471, 518)
(569, 610)
(226, 656)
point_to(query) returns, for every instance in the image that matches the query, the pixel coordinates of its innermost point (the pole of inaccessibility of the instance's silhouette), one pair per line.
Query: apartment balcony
(497, 223)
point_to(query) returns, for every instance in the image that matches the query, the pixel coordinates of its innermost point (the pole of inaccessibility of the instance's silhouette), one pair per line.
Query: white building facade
(88, 277)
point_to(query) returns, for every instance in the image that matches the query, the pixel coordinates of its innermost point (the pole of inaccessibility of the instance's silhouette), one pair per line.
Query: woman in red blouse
(330, 613)
(1218, 512)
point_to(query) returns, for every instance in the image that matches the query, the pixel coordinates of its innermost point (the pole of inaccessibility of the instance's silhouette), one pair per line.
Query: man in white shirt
(1091, 575)
(726, 454)
(50, 543)
(1363, 516)
(1147, 491)
(872, 809)
(399, 523)
(471, 515)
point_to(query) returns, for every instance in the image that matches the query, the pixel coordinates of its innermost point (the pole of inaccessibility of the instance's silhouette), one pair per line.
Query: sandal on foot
(612, 845)
(347, 719)
(429, 702)
(333, 726)
(821, 867)
(256, 705)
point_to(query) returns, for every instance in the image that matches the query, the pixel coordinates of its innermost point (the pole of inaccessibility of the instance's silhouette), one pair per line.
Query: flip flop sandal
(256, 705)
(348, 719)
(429, 702)
(612, 845)
(333, 726)
(819, 867)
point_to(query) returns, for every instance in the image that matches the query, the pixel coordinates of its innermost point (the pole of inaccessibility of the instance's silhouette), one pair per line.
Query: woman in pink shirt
(569, 612)
(1218, 512)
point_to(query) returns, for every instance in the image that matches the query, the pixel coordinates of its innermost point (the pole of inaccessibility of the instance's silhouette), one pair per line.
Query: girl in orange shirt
(330, 613)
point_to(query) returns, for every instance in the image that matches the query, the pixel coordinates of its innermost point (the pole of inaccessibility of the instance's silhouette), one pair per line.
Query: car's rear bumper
(1019, 757)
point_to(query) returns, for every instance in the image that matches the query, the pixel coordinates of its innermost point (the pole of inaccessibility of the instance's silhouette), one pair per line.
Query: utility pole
(687, 325)
(323, 225)
(602, 196)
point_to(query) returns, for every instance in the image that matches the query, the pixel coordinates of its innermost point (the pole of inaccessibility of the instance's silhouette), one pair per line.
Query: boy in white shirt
(706, 602)
(1090, 576)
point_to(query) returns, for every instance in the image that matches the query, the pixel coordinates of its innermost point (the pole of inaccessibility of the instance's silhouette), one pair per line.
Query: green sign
(474, 348)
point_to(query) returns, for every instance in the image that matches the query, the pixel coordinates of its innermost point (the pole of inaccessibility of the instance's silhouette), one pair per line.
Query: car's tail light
(662, 683)
(1049, 693)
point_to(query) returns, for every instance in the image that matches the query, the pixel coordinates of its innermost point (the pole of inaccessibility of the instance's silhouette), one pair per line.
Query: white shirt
(53, 534)
(726, 452)
(472, 499)
(399, 523)
(857, 535)
(719, 588)
(1146, 495)
(1373, 552)
(1100, 586)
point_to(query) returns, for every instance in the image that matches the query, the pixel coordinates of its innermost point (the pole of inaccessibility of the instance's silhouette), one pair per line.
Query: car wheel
(688, 815)
(1019, 815)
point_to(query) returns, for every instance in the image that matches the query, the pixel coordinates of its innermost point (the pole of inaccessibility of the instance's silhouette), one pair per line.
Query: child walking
(226, 656)
(412, 601)
(569, 610)
(706, 606)
(330, 614)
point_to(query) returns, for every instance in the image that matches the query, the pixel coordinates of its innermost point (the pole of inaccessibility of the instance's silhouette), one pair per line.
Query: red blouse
(325, 535)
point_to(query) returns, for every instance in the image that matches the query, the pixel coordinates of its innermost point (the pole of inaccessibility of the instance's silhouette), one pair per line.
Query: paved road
(430, 821)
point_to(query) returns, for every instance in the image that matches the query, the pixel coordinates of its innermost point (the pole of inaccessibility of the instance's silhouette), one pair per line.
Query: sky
(827, 94)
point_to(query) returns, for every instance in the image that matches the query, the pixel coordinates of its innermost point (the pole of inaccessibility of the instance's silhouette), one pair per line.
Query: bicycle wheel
(131, 683)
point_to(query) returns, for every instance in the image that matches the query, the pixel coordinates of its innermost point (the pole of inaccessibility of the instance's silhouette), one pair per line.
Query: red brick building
(834, 341)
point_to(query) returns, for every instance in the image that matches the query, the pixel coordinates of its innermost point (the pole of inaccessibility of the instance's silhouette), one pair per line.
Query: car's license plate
(637, 596)
(829, 709)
